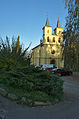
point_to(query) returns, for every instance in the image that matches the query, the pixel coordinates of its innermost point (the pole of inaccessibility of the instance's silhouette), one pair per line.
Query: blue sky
(26, 18)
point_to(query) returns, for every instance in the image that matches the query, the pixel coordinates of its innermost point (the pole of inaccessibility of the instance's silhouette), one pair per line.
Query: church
(50, 49)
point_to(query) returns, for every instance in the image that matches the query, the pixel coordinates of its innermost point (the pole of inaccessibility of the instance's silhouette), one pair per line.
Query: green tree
(71, 36)
(68, 3)
(12, 55)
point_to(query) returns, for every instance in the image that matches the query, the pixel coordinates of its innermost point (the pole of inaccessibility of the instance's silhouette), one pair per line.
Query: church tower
(47, 31)
(47, 21)
(49, 51)
(58, 30)
(58, 23)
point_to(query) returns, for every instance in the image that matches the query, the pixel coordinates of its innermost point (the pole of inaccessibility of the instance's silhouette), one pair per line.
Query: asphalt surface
(68, 108)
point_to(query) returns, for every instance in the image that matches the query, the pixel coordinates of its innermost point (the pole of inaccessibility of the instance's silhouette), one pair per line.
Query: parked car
(46, 66)
(38, 67)
(50, 69)
(62, 71)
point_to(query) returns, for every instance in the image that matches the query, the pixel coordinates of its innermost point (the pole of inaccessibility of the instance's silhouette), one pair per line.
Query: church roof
(58, 23)
(35, 47)
(47, 21)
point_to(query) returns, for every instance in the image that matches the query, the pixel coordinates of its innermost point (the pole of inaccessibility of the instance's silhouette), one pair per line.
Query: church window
(53, 39)
(47, 39)
(53, 52)
(43, 35)
(47, 31)
(59, 40)
(59, 32)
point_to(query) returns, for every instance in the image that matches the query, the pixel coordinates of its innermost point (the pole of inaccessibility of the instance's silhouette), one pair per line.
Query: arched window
(47, 31)
(60, 32)
(53, 39)
(59, 40)
(48, 39)
(53, 52)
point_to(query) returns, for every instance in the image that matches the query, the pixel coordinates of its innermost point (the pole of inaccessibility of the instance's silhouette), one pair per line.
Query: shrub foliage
(12, 55)
(16, 72)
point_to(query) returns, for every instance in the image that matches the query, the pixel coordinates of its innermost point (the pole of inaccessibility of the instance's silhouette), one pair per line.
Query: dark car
(62, 71)
(38, 67)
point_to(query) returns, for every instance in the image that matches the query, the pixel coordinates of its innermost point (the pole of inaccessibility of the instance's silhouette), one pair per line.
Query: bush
(12, 56)
(16, 72)
(32, 80)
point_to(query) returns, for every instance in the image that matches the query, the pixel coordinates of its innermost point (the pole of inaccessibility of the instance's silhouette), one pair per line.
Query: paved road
(67, 109)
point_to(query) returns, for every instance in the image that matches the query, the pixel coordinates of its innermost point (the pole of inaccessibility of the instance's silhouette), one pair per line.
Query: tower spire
(58, 23)
(47, 21)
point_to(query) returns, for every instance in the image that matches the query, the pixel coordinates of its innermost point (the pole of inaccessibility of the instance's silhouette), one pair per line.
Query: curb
(23, 99)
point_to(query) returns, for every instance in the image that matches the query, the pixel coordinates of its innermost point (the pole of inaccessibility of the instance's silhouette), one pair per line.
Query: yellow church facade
(50, 49)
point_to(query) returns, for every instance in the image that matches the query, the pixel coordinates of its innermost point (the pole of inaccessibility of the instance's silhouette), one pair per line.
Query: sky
(26, 18)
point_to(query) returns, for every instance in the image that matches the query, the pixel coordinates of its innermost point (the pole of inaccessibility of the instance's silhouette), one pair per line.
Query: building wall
(42, 54)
